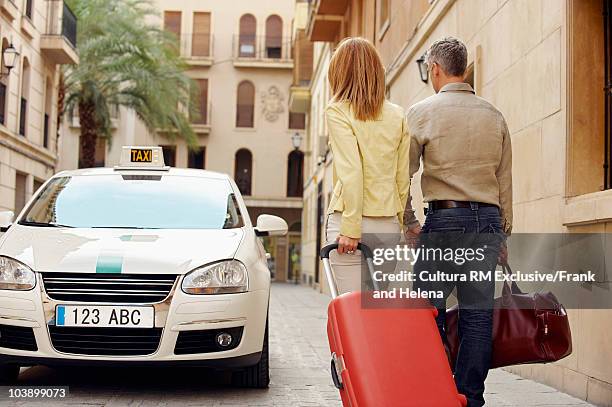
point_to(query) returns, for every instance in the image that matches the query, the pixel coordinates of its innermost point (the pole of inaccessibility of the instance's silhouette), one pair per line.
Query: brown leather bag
(527, 328)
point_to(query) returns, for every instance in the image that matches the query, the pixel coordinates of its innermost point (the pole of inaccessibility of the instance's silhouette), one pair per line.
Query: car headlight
(228, 276)
(15, 276)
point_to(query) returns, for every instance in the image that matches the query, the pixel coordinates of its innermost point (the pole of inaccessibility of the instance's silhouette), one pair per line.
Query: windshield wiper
(42, 224)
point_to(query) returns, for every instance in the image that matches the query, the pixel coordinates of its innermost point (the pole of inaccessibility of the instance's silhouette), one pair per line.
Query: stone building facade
(543, 64)
(44, 35)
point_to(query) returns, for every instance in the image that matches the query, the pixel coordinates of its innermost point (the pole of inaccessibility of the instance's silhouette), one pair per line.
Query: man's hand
(347, 244)
(502, 258)
(412, 235)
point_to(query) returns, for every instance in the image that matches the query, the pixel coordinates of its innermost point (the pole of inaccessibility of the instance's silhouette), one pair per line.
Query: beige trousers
(383, 231)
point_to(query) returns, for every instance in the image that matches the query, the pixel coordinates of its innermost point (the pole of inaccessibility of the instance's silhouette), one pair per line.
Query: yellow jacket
(371, 176)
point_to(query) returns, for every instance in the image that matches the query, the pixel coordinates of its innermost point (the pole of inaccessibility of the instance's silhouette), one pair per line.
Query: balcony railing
(262, 48)
(61, 21)
(196, 48)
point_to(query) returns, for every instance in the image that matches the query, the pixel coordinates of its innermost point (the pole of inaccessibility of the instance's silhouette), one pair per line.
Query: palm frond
(128, 61)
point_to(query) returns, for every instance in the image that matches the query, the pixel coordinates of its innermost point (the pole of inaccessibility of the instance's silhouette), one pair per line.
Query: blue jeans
(474, 227)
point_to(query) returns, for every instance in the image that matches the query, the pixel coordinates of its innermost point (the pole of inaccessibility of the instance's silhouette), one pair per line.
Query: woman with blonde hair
(370, 147)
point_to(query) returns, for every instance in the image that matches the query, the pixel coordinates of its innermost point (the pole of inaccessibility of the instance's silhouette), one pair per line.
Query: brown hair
(356, 75)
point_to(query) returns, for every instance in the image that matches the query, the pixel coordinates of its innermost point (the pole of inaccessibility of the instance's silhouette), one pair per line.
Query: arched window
(243, 170)
(274, 37)
(295, 173)
(245, 104)
(4, 86)
(246, 37)
(25, 88)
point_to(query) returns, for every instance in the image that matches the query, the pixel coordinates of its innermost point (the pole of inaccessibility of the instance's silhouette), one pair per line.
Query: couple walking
(466, 182)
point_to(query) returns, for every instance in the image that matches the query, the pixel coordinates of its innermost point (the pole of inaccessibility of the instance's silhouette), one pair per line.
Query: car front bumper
(178, 313)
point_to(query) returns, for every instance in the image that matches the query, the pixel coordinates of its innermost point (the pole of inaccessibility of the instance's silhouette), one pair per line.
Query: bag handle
(326, 250)
(509, 289)
(513, 288)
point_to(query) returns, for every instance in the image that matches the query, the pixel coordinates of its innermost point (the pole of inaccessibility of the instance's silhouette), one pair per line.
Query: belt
(435, 205)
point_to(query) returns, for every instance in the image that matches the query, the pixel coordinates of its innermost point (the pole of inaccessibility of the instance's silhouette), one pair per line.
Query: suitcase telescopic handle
(326, 250)
(365, 249)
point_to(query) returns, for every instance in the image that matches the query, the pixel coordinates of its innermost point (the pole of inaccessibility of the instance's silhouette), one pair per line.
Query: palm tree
(125, 60)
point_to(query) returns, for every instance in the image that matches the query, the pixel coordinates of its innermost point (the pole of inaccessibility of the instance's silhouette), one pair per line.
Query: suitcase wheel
(335, 374)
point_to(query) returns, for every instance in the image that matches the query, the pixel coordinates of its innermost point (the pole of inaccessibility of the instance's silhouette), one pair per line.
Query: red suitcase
(388, 357)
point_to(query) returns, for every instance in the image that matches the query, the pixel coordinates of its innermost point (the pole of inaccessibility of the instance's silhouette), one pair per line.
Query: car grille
(105, 341)
(17, 337)
(205, 341)
(101, 287)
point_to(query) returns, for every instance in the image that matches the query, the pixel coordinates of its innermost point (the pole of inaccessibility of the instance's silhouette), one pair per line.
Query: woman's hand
(347, 244)
(412, 235)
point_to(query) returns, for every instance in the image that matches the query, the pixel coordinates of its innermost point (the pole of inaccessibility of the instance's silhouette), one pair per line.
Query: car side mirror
(6, 220)
(270, 225)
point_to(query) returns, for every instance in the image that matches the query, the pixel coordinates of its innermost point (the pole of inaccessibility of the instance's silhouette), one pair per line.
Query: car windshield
(133, 201)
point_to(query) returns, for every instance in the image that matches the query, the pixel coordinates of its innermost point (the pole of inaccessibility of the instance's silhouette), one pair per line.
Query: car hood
(118, 250)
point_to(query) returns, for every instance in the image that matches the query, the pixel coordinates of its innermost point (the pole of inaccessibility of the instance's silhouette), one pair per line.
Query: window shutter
(200, 45)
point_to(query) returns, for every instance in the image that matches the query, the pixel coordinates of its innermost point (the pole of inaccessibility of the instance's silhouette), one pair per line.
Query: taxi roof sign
(142, 157)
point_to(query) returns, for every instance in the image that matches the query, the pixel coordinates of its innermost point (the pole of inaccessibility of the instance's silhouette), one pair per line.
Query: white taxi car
(137, 264)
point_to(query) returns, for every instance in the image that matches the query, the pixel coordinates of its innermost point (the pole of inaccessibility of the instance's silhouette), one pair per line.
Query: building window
(20, 191)
(28, 8)
(588, 131)
(303, 59)
(246, 37)
(245, 106)
(200, 108)
(4, 85)
(47, 115)
(169, 155)
(37, 184)
(383, 16)
(172, 23)
(3, 96)
(295, 173)
(608, 94)
(200, 42)
(23, 106)
(469, 75)
(274, 37)
(243, 168)
(197, 159)
(46, 131)
(297, 121)
(99, 156)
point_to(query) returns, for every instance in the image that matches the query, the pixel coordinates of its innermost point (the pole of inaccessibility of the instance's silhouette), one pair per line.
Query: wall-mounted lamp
(9, 59)
(423, 68)
(296, 139)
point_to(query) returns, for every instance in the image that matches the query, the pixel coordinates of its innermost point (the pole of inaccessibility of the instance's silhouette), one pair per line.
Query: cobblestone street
(299, 358)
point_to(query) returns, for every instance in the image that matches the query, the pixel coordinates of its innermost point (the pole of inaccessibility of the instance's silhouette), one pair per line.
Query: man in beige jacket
(464, 144)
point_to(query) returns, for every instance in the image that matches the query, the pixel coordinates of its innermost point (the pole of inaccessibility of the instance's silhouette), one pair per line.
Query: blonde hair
(356, 75)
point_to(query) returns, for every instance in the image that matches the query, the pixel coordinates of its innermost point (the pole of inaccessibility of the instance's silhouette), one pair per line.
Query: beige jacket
(371, 176)
(466, 151)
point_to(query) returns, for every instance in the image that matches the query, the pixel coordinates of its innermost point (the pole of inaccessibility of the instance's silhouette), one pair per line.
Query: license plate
(105, 316)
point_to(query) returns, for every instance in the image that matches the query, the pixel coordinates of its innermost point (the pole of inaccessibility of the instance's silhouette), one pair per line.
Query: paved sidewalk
(299, 368)
(300, 315)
